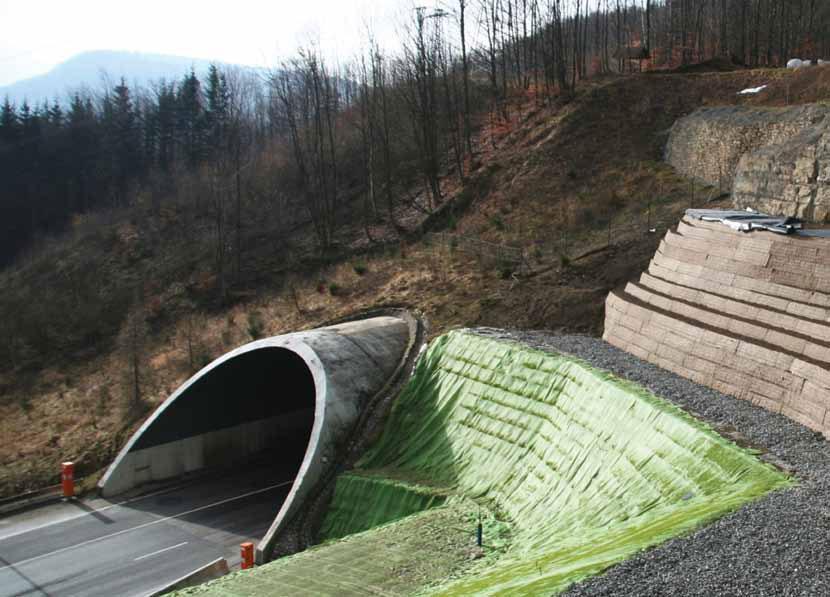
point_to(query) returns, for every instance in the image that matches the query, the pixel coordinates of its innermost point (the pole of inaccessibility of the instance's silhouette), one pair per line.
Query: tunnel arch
(201, 425)
(262, 383)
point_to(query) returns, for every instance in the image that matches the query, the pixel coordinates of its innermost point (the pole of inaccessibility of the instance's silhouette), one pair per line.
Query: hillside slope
(557, 181)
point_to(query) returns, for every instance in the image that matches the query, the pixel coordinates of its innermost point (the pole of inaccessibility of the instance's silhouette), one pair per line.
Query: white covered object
(794, 63)
(752, 90)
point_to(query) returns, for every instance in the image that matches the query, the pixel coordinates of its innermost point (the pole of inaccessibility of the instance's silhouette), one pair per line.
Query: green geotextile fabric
(362, 503)
(587, 469)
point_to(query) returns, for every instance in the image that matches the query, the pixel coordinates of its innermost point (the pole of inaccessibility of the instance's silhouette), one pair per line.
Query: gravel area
(778, 545)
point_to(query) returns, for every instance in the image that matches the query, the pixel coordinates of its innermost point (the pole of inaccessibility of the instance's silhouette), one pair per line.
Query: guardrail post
(247, 551)
(68, 479)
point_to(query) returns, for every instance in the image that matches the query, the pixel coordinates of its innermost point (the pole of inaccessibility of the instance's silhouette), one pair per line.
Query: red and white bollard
(68, 479)
(247, 550)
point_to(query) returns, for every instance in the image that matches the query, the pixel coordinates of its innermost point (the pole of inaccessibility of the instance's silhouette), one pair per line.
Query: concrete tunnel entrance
(292, 400)
(265, 396)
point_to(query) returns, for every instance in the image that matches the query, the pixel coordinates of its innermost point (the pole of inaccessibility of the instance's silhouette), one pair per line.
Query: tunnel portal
(293, 400)
(266, 395)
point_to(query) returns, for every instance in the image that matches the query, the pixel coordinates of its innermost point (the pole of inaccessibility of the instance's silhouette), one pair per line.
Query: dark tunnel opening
(268, 394)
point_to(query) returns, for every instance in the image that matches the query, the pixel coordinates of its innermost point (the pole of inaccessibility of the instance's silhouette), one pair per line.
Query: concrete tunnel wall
(304, 389)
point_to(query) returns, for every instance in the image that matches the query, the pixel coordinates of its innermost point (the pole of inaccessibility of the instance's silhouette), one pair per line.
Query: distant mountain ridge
(93, 70)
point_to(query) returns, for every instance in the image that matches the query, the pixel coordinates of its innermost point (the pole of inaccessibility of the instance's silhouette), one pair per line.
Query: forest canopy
(371, 128)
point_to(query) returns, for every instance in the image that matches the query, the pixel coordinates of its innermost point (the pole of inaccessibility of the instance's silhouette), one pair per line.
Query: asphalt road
(112, 548)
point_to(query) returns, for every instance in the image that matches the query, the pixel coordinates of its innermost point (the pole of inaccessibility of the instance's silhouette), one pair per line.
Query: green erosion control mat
(399, 558)
(361, 503)
(586, 469)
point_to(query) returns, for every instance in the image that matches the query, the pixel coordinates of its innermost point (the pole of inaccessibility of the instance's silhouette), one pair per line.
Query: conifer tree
(191, 118)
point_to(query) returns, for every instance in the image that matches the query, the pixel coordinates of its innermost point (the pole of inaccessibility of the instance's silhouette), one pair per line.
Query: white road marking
(146, 524)
(155, 553)
(91, 512)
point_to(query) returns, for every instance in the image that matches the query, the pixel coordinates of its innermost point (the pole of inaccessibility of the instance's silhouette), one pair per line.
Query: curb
(31, 500)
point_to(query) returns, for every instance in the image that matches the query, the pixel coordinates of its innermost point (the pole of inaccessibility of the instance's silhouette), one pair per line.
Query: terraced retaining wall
(584, 469)
(745, 314)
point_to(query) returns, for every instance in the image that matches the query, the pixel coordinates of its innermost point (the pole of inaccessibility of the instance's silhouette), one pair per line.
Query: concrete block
(768, 390)
(769, 318)
(700, 365)
(691, 269)
(818, 375)
(717, 249)
(678, 341)
(727, 388)
(805, 419)
(636, 291)
(794, 279)
(807, 311)
(704, 379)
(667, 352)
(822, 283)
(733, 376)
(724, 278)
(708, 352)
(724, 342)
(779, 377)
(817, 352)
(814, 396)
(757, 353)
(773, 302)
(638, 351)
(785, 341)
(614, 340)
(820, 299)
(764, 402)
(746, 329)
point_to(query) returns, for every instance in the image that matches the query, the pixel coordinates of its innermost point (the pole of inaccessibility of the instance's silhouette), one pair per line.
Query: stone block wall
(790, 178)
(745, 314)
(708, 144)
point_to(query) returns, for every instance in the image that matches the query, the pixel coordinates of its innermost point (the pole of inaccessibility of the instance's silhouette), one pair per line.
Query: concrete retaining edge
(215, 569)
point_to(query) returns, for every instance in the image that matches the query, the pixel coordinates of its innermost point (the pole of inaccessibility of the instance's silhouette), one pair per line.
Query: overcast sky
(35, 36)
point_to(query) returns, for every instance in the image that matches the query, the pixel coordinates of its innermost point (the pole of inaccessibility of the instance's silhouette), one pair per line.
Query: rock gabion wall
(708, 144)
(745, 314)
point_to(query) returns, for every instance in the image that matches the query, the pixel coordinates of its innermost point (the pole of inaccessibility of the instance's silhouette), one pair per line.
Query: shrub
(335, 289)
(587, 216)
(497, 222)
(256, 327)
(203, 359)
(103, 402)
(452, 222)
(360, 268)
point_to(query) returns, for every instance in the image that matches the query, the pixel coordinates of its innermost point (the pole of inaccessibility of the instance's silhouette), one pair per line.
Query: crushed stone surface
(778, 545)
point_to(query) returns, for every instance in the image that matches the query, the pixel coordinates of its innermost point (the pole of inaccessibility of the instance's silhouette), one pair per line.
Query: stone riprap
(708, 144)
(745, 314)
